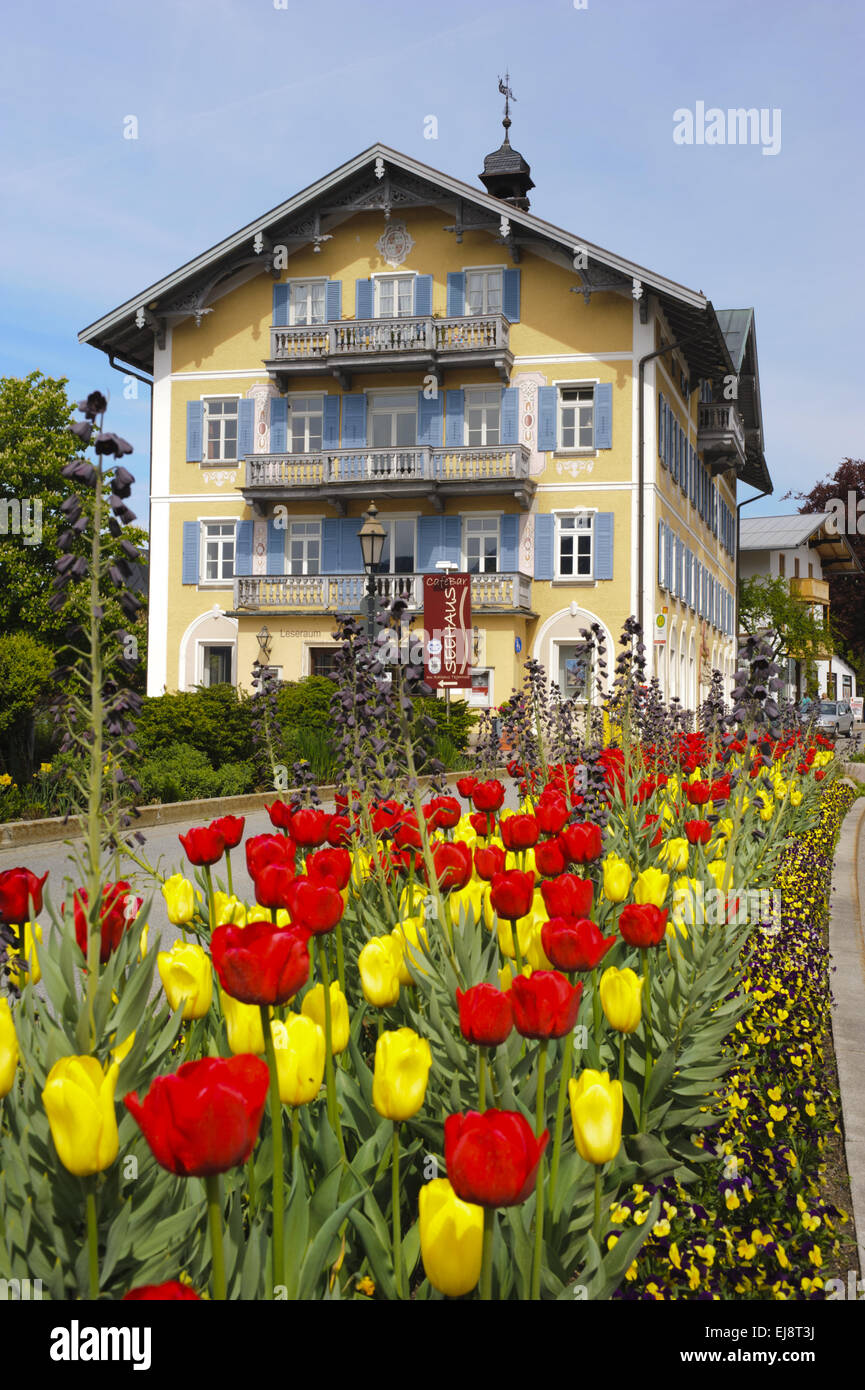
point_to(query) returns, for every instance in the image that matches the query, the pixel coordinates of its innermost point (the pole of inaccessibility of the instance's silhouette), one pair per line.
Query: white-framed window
(394, 296)
(398, 552)
(322, 660)
(306, 301)
(574, 545)
(305, 416)
(574, 670)
(220, 429)
(482, 544)
(217, 663)
(480, 695)
(483, 291)
(576, 417)
(303, 546)
(217, 551)
(393, 420)
(483, 416)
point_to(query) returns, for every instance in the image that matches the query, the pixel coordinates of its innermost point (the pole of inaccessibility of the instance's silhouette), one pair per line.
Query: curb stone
(847, 949)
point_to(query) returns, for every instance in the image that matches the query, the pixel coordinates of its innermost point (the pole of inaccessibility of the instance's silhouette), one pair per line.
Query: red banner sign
(447, 620)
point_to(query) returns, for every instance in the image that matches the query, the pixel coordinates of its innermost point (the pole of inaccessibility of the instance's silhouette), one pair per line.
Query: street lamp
(372, 537)
(265, 641)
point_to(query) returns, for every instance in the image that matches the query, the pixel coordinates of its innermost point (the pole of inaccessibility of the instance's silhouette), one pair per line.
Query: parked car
(834, 717)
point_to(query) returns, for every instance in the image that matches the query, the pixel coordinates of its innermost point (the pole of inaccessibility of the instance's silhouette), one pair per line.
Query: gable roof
(837, 555)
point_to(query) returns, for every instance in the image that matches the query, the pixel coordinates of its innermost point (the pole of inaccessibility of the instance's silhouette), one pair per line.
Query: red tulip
(549, 857)
(659, 833)
(582, 842)
(511, 894)
(492, 1159)
(273, 885)
(466, 785)
(308, 826)
(483, 823)
(551, 813)
(574, 943)
(721, 789)
(567, 896)
(819, 774)
(407, 834)
(545, 1005)
(488, 796)
(442, 813)
(280, 814)
(699, 832)
(330, 864)
(338, 831)
(489, 861)
(315, 906)
(20, 895)
(643, 924)
(173, 1291)
(261, 963)
(519, 832)
(486, 1017)
(698, 793)
(387, 815)
(119, 909)
(453, 864)
(268, 849)
(203, 845)
(230, 828)
(204, 1119)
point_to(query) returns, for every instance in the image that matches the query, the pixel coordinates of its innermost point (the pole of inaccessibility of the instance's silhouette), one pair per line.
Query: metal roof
(735, 326)
(837, 555)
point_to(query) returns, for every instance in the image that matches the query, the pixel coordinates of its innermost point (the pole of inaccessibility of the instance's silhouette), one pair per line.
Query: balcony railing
(360, 338)
(810, 590)
(721, 434)
(490, 463)
(346, 593)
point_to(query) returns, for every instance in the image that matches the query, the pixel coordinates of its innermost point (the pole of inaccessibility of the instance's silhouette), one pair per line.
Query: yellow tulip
(179, 895)
(651, 887)
(674, 853)
(796, 798)
(617, 878)
(718, 869)
(123, 1049)
(451, 1238)
(596, 1112)
(379, 964)
(228, 911)
(469, 901)
(688, 901)
(298, 1046)
(412, 899)
(8, 1049)
(514, 856)
(79, 1102)
(242, 1024)
(534, 949)
(506, 975)
(33, 973)
(402, 1064)
(621, 994)
(187, 978)
(465, 831)
(257, 913)
(525, 926)
(410, 934)
(360, 862)
(313, 1007)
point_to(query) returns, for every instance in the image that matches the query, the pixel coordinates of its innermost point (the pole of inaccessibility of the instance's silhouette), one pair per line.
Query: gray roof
(735, 326)
(779, 532)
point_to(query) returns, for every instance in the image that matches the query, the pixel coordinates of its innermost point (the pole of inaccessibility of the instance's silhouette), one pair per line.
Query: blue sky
(240, 104)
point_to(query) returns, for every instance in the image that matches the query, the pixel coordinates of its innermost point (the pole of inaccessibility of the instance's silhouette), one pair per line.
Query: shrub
(455, 725)
(214, 720)
(182, 773)
(306, 704)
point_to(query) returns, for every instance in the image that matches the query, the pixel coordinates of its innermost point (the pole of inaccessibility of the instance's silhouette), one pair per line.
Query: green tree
(768, 609)
(25, 679)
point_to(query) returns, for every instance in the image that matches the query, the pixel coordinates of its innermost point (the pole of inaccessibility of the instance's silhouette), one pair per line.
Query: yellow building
(565, 425)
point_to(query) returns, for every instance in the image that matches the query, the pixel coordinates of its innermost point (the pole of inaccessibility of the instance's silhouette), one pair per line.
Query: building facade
(564, 425)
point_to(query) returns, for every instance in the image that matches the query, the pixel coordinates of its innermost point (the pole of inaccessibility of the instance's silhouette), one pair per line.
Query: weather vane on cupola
(505, 89)
(506, 174)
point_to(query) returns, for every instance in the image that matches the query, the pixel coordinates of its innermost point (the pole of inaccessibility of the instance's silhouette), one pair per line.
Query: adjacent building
(565, 425)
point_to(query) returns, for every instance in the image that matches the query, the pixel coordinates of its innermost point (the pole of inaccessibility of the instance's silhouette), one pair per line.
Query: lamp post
(372, 537)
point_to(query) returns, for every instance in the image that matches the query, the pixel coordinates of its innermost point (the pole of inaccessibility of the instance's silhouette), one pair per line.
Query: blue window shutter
(604, 415)
(430, 542)
(330, 424)
(604, 545)
(668, 560)
(191, 542)
(275, 548)
(354, 420)
(668, 438)
(243, 548)
(661, 554)
(456, 305)
(452, 538)
(280, 306)
(510, 415)
(350, 553)
(278, 425)
(363, 299)
(429, 419)
(423, 296)
(333, 300)
(194, 430)
(661, 426)
(245, 427)
(511, 295)
(548, 409)
(330, 545)
(508, 541)
(455, 415)
(545, 531)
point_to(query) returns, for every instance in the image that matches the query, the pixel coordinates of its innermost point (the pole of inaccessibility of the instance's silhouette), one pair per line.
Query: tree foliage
(846, 591)
(767, 608)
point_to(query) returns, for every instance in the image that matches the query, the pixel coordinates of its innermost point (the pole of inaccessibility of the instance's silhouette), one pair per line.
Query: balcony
(346, 593)
(721, 436)
(810, 590)
(393, 344)
(341, 474)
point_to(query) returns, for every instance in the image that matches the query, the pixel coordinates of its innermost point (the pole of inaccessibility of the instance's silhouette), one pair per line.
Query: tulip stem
(208, 876)
(278, 1260)
(621, 1056)
(92, 1244)
(295, 1135)
(228, 867)
(567, 1058)
(596, 1010)
(214, 1220)
(340, 957)
(395, 1214)
(517, 952)
(482, 1081)
(647, 1073)
(596, 1224)
(487, 1257)
(539, 1182)
(330, 1079)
